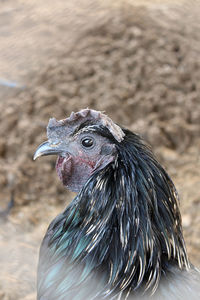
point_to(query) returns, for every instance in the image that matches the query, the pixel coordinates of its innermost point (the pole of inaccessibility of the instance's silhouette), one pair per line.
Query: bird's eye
(87, 142)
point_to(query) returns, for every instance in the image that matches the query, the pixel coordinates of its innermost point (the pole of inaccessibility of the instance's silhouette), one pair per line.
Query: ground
(136, 60)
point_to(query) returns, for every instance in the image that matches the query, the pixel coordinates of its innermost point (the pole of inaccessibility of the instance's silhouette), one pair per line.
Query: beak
(47, 148)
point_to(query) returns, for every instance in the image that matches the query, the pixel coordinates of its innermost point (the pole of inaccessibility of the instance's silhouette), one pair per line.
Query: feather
(121, 237)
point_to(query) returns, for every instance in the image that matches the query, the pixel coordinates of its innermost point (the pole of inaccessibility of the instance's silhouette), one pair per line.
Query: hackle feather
(120, 234)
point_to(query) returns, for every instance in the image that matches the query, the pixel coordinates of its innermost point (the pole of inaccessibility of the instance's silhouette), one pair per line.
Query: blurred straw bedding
(136, 60)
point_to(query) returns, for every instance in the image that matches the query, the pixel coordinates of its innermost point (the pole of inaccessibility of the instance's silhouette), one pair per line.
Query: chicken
(121, 236)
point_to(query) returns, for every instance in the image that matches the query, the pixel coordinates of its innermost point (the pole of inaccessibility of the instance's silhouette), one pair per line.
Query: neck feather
(126, 218)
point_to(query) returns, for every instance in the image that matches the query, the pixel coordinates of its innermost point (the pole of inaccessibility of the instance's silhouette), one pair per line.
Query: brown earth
(136, 60)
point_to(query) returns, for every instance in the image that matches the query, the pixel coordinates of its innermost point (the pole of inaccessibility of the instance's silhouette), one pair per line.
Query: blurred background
(137, 60)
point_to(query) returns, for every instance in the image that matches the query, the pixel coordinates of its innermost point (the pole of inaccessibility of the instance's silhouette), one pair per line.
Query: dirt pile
(145, 75)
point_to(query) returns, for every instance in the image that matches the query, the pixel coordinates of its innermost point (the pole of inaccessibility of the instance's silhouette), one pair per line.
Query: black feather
(120, 237)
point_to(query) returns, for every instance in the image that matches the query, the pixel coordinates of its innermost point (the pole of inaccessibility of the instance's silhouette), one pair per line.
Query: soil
(136, 60)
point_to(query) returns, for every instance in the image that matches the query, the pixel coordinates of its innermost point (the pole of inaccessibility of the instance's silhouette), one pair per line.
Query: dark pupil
(87, 142)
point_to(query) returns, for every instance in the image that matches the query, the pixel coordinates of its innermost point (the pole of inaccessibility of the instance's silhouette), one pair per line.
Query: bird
(121, 236)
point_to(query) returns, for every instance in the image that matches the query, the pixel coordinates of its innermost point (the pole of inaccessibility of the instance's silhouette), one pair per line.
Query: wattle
(74, 171)
(64, 168)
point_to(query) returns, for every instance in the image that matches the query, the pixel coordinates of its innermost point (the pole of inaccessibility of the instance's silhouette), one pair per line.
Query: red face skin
(74, 170)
